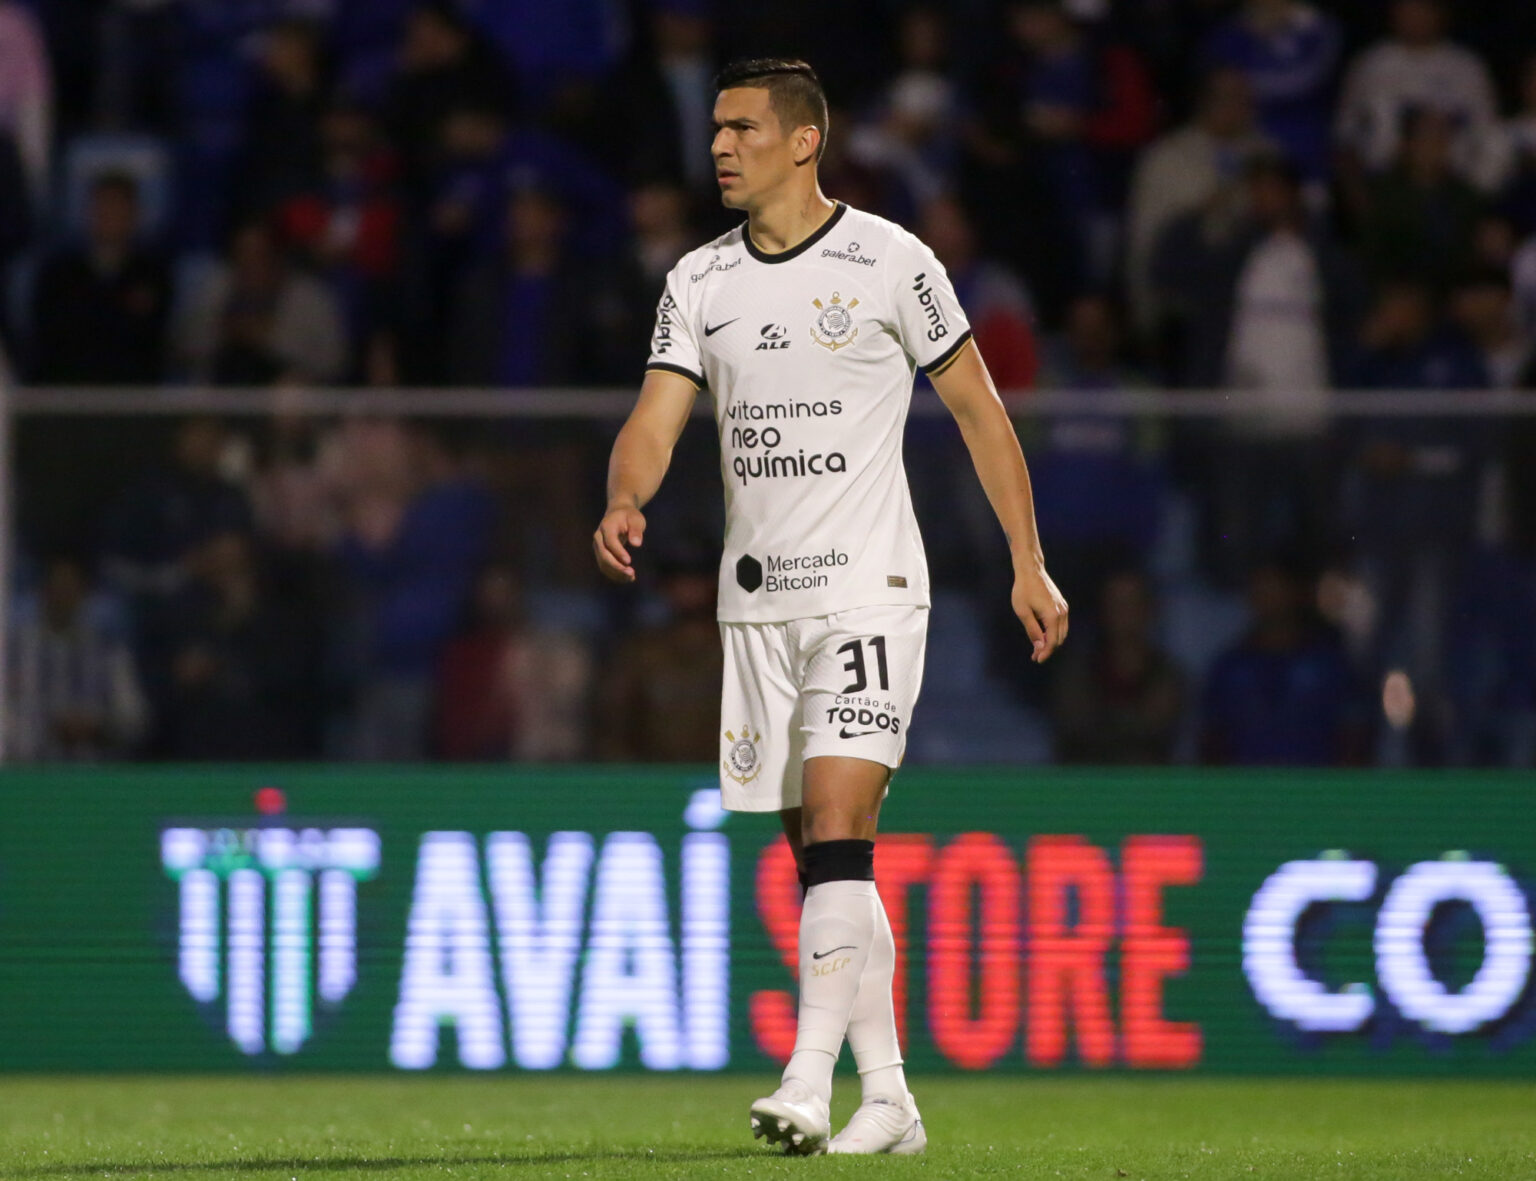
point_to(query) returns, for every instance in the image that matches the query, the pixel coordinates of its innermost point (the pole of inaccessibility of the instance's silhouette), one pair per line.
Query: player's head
(770, 128)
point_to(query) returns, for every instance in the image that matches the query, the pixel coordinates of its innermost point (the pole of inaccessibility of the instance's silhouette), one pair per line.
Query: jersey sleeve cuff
(665, 367)
(942, 361)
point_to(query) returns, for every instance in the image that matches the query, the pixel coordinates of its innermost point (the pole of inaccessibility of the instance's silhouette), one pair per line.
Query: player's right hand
(622, 526)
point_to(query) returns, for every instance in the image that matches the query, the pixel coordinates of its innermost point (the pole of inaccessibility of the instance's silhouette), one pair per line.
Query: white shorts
(839, 684)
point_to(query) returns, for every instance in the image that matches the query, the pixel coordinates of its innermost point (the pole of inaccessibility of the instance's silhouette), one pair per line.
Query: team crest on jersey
(741, 760)
(834, 326)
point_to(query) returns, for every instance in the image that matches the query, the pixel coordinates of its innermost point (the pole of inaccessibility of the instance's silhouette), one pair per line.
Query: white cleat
(794, 1116)
(883, 1126)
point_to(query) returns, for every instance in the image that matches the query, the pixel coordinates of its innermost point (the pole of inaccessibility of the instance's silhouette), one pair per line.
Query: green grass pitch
(188, 1129)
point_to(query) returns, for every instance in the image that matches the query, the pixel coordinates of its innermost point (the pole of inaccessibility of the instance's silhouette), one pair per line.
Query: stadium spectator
(281, 142)
(1279, 340)
(507, 691)
(1099, 479)
(1420, 217)
(924, 41)
(907, 148)
(1119, 698)
(294, 485)
(154, 527)
(443, 67)
(1412, 488)
(1482, 306)
(416, 531)
(905, 144)
(1198, 166)
(537, 157)
(660, 700)
(1086, 109)
(258, 320)
(1289, 52)
(1266, 299)
(1406, 346)
(1417, 68)
(527, 317)
(1090, 353)
(1285, 693)
(346, 227)
(72, 691)
(1513, 153)
(26, 96)
(1290, 300)
(667, 87)
(215, 74)
(233, 668)
(662, 234)
(461, 201)
(100, 309)
(999, 308)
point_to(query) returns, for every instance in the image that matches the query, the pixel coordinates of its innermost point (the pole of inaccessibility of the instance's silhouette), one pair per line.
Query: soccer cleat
(794, 1116)
(883, 1126)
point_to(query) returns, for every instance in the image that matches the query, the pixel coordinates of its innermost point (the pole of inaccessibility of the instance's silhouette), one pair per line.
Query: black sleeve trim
(942, 362)
(664, 367)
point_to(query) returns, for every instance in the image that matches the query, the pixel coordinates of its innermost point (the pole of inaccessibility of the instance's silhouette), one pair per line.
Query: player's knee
(839, 861)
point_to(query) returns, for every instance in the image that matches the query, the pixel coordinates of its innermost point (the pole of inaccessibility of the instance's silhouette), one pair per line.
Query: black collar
(800, 247)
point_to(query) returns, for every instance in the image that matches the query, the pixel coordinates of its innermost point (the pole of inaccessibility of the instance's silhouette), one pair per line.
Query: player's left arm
(965, 387)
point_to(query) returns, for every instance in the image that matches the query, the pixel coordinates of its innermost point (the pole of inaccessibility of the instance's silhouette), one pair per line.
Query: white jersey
(810, 356)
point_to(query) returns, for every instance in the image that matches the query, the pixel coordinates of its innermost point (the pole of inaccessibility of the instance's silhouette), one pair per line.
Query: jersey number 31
(856, 664)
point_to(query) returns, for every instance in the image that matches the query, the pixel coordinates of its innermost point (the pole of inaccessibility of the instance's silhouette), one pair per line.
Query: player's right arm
(640, 458)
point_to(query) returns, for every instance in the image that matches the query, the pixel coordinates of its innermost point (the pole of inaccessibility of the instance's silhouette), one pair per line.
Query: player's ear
(807, 143)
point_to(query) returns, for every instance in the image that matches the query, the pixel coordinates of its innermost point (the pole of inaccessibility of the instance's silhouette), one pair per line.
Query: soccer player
(806, 322)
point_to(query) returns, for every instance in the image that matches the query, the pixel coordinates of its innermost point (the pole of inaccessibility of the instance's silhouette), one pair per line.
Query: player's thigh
(760, 739)
(861, 681)
(842, 797)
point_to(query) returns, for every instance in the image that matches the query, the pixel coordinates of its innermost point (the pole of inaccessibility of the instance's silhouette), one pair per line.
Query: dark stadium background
(359, 197)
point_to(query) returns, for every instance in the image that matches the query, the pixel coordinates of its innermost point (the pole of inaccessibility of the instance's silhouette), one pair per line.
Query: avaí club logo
(268, 920)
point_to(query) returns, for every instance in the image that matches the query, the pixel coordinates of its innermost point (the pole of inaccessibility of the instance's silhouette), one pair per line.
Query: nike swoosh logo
(843, 733)
(819, 955)
(708, 331)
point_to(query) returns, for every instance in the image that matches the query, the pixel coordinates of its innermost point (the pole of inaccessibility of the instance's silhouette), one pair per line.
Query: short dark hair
(794, 91)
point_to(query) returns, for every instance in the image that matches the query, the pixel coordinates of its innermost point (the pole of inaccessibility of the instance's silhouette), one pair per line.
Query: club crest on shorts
(741, 761)
(834, 326)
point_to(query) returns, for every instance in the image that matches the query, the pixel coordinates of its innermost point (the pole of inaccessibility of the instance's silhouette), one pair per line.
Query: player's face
(753, 154)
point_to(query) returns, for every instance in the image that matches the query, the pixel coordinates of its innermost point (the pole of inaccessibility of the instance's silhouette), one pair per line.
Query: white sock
(837, 927)
(872, 1024)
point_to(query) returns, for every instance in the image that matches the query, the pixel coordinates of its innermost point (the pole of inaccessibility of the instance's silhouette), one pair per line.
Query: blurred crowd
(1267, 197)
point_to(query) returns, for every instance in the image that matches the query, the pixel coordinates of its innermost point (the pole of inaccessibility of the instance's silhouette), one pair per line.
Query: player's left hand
(1040, 608)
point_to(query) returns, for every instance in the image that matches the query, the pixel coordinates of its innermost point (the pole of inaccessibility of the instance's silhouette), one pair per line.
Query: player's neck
(783, 222)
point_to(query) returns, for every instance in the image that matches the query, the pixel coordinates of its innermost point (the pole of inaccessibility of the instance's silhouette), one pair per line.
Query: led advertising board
(597, 918)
